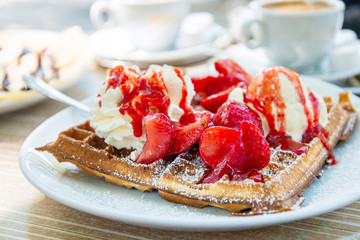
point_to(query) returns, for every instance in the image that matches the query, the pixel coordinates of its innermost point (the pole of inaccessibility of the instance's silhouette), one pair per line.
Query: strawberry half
(188, 132)
(158, 138)
(236, 153)
(233, 73)
(214, 101)
(254, 149)
(207, 85)
(230, 74)
(232, 113)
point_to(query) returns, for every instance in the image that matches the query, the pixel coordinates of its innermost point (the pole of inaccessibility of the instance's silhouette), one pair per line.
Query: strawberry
(236, 153)
(229, 74)
(158, 138)
(188, 131)
(254, 149)
(214, 101)
(232, 113)
(233, 73)
(207, 85)
(217, 144)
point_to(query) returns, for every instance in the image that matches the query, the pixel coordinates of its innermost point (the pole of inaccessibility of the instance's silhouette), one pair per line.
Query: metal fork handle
(42, 87)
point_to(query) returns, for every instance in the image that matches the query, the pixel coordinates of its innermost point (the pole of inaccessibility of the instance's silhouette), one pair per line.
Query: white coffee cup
(151, 24)
(300, 40)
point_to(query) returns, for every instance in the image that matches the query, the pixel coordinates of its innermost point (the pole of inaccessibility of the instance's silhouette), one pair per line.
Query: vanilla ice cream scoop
(128, 95)
(284, 103)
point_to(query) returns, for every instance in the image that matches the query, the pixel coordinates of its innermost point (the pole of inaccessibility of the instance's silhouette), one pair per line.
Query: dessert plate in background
(114, 45)
(65, 183)
(73, 55)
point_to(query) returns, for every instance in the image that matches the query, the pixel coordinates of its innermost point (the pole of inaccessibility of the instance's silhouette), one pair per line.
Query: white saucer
(254, 60)
(111, 45)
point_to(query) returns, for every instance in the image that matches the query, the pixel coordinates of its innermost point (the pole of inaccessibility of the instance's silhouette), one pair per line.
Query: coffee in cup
(295, 34)
(296, 6)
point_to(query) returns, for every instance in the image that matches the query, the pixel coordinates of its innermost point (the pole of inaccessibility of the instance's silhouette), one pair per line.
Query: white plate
(64, 183)
(113, 45)
(70, 74)
(254, 60)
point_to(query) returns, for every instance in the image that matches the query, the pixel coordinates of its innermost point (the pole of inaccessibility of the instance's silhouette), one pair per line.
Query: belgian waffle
(285, 178)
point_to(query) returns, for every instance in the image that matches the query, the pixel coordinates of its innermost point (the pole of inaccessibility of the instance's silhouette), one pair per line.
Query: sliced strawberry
(232, 113)
(215, 174)
(188, 132)
(255, 151)
(214, 101)
(218, 144)
(230, 74)
(158, 138)
(207, 85)
(233, 73)
(236, 153)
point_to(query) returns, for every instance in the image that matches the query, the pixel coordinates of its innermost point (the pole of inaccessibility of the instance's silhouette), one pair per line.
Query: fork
(45, 89)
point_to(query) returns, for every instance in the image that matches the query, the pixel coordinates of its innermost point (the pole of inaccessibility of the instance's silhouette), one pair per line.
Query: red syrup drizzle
(99, 95)
(283, 140)
(143, 95)
(256, 176)
(315, 130)
(183, 104)
(147, 96)
(262, 99)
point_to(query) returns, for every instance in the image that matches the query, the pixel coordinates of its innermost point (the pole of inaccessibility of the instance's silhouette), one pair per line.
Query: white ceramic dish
(113, 45)
(68, 185)
(69, 75)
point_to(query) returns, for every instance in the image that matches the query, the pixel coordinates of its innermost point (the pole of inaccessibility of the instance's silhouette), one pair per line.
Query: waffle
(80, 146)
(285, 178)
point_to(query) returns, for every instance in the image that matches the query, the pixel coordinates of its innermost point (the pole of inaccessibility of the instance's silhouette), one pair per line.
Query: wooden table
(26, 213)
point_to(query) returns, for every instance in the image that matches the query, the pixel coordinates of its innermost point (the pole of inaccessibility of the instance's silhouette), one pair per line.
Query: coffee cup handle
(97, 11)
(248, 34)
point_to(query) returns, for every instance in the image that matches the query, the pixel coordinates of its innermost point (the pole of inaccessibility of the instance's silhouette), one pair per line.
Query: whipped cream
(174, 85)
(237, 94)
(116, 128)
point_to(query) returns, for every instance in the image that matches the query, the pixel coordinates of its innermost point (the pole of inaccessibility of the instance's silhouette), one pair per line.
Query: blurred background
(58, 15)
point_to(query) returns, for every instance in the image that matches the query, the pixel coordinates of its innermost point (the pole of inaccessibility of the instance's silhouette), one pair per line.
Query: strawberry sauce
(143, 95)
(146, 97)
(276, 139)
